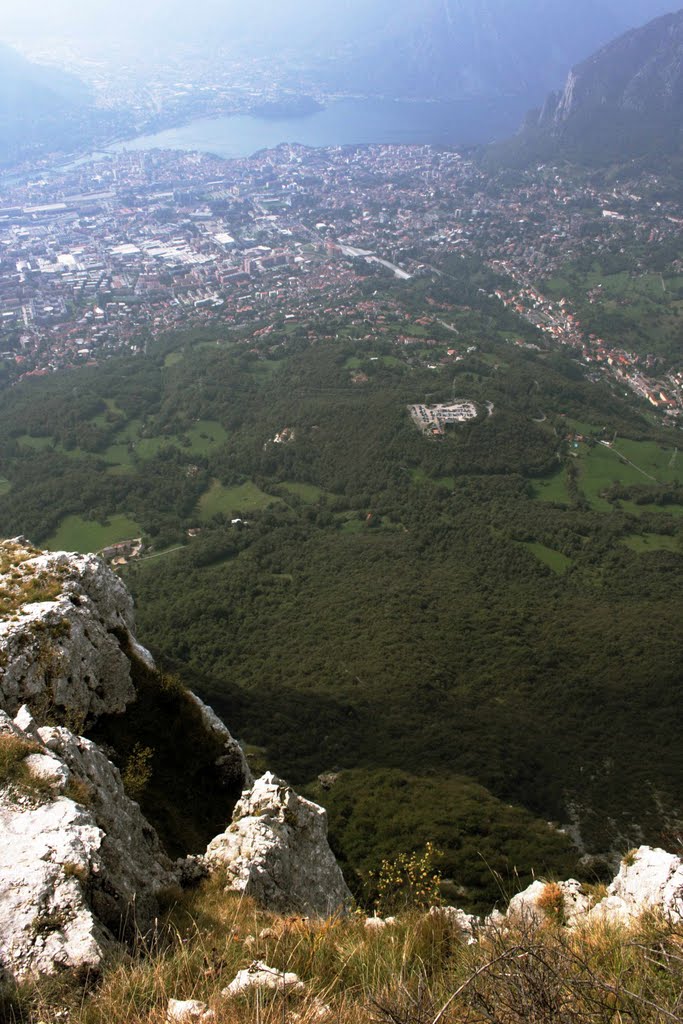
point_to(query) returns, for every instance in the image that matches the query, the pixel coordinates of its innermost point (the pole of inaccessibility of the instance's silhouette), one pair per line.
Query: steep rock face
(65, 618)
(624, 102)
(276, 850)
(79, 862)
(232, 761)
(77, 858)
(641, 72)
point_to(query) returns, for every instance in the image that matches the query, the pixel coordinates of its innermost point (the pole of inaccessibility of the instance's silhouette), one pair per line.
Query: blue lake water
(347, 122)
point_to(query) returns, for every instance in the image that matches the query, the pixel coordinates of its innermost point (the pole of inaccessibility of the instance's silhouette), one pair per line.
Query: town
(100, 257)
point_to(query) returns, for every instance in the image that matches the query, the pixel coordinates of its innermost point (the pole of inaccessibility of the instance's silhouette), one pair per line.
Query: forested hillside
(466, 635)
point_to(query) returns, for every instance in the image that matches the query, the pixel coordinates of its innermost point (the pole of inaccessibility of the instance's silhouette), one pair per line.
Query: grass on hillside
(555, 560)
(552, 488)
(634, 311)
(628, 462)
(82, 535)
(645, 542)
(418, 971)
(241, 498)
(308, 493)
(16, 778)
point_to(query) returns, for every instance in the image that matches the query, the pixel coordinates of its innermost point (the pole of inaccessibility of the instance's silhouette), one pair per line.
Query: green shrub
(410, 881)
(138, 771)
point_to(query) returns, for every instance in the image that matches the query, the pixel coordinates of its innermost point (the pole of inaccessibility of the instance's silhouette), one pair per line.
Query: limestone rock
(77, 859)
(184, 1011)
(529, 904)
(232, 764)
(260, 975)
(61, 643)
(276, 850)
(648, 879)
(465, 923)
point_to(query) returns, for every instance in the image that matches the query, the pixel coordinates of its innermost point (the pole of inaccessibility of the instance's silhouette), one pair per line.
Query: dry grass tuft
(417, 972)
(15, 775)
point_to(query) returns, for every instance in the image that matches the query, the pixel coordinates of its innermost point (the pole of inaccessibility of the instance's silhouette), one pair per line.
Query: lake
(346, 122)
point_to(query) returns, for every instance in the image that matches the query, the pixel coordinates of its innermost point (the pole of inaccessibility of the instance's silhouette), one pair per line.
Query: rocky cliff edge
(80, 864)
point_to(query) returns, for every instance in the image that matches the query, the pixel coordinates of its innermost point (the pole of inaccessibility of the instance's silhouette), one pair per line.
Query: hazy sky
(402, 47)
(129, 17)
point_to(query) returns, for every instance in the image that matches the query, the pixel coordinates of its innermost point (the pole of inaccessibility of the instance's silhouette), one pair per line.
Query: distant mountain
(38, 105)
(416, 48)
(434, 48)
(624, 101)
(43, 109)
(461, 48)
(35, 91)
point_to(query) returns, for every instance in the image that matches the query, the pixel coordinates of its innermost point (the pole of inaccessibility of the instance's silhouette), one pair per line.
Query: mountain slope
(435, 48)
(623, 102)
(42, 109)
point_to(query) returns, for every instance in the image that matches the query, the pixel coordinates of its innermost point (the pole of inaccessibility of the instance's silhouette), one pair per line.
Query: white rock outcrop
(77, 859)
(648, 879)
(467, 924)
(534, 903)
(61, 644)
(260, 975)
(187, 1011)
(276, 850)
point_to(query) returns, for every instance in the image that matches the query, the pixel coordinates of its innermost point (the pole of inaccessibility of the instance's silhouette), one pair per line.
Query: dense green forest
(466, 635)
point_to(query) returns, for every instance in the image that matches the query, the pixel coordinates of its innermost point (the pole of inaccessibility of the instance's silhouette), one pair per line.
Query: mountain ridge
(623, 102)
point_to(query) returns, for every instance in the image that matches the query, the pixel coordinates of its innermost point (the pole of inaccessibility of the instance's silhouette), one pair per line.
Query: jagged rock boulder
(67, 619)
(648, 879)
(77, 859)
(276, 850)
(564, 902)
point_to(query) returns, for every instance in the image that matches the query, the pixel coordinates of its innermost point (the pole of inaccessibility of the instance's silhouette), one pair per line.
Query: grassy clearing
(131, 432)
(419, 477)
(555, 560)
(581, 427)
(173, 358)
(233, 500)
(37, 444)
(200, 439)
(356, 362)
(5, 485)
(82, 535)
(644, 542)
(206, 435)
(148, 447)
(118, 456)
(418, 971)
(111, 412)
(628, 462)
(307, 492)
(552, 488)
(353, 525)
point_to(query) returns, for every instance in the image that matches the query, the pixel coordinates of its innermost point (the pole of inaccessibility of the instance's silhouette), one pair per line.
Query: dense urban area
(100, 256)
